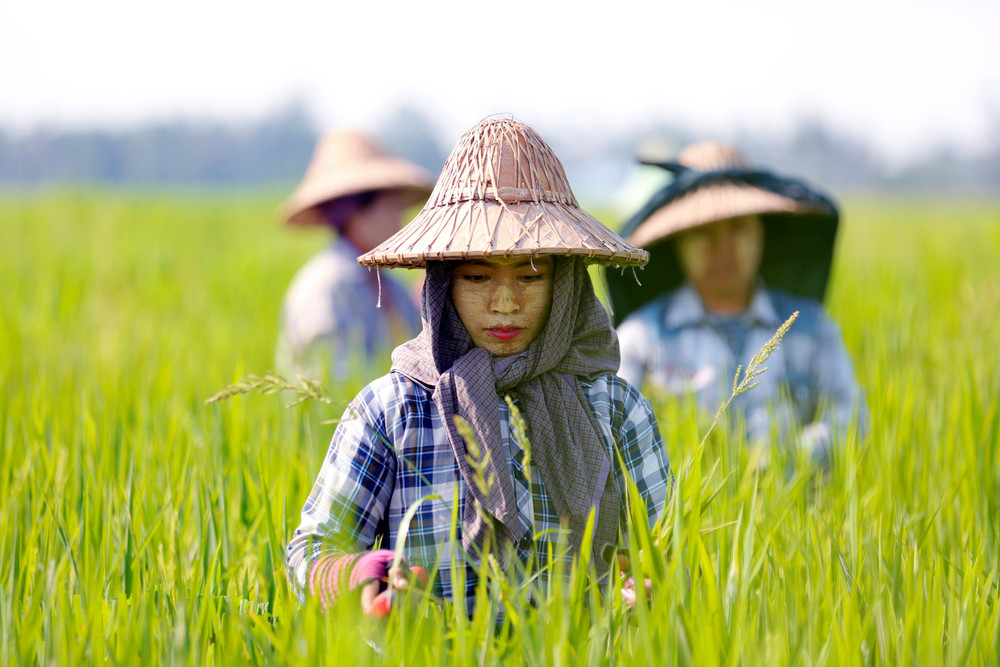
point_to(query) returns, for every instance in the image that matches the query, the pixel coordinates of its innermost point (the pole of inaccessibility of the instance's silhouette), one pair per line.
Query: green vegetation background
(138, 524)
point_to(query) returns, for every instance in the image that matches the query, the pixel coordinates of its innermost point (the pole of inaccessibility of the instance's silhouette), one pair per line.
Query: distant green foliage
(139, 525)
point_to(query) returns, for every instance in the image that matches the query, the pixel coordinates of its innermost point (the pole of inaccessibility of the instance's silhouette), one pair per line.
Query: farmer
(733, 253)
(332, 322)
(508, 312)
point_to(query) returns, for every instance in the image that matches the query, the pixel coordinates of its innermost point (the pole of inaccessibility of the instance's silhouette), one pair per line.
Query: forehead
(738, 221)
(542, 261)
(727, 226)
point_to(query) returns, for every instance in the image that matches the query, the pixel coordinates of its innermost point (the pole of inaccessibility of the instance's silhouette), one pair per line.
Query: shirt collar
(342, 246)
(687, 309)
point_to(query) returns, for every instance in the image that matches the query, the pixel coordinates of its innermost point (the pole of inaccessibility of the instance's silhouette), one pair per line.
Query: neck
(727, 304)
(353, 239)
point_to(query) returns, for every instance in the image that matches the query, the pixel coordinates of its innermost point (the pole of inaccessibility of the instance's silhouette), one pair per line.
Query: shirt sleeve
(324, 329)
(641, 447)
(344, 511)
(841, 402)
(634, 346)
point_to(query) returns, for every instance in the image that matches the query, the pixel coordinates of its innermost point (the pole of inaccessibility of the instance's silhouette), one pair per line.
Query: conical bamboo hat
(718, 201)
(347, 162)
(502, 193)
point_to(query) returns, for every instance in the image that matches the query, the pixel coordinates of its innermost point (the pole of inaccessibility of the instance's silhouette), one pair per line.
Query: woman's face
(503, 303)
(721, 260)
(377, 221)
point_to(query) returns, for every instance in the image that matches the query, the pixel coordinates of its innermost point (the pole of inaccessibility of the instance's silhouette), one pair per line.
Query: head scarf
(566, 442)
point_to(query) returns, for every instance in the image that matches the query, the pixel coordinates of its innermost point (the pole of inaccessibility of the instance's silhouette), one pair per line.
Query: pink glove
(332, 574)
(373, 570)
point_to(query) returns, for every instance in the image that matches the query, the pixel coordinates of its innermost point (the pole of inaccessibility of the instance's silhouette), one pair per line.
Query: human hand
(628, 586)
(377, 595)
(629, 594)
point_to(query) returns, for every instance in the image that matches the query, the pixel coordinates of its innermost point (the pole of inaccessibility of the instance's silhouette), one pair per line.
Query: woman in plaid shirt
(508, 312)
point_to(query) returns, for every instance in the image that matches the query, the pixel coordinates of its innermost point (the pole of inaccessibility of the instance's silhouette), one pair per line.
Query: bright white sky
(908, 75)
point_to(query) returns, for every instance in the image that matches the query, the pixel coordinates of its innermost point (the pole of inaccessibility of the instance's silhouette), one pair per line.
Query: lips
(504, 333)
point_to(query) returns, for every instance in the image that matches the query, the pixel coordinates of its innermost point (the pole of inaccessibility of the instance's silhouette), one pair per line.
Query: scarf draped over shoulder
(577, 344)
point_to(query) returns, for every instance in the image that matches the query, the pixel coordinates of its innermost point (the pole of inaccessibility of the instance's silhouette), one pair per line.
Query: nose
(722, 243)
(504, 301)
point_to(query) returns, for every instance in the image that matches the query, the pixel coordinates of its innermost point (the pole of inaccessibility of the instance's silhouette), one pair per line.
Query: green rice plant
(139, 525)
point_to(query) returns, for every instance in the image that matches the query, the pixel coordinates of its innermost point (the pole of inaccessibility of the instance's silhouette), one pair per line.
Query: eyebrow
(525, 262)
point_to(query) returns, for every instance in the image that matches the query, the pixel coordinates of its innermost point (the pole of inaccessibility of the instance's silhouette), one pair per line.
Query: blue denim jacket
(672, 345)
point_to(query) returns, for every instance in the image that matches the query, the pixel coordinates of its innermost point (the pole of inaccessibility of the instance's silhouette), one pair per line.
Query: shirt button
(525, 543)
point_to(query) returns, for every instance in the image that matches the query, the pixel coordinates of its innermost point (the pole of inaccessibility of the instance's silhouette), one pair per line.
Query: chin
(503, 351)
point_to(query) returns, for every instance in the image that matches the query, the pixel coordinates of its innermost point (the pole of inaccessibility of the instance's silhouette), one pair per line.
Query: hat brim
(484, 228)
(711, 204)
(379, 174)
(797, 257)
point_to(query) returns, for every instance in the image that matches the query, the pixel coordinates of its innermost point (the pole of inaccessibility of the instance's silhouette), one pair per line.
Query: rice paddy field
(139, 525)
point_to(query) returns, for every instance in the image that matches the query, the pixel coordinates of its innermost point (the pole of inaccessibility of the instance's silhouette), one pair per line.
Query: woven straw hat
(502, 193)
(349, 162)
(713, 182)
(711, 203)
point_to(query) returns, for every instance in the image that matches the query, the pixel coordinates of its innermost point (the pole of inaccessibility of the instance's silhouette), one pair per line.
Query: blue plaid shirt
(673, 345)
(331, 322)
(391, 451)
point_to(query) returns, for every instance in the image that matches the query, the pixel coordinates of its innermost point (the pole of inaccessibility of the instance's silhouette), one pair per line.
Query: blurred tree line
(276, 149)
(177, 152)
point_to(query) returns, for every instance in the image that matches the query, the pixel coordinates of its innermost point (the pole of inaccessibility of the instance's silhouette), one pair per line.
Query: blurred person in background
(337, 317)
(734, 252)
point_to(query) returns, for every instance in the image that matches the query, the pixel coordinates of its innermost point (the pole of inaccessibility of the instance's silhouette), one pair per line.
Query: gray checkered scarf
(576, 343)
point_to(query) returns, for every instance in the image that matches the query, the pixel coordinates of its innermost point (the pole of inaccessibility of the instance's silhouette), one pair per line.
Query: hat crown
(344, 149)
(347, 162)
(711, 156)
(502, 193)
(503, 160)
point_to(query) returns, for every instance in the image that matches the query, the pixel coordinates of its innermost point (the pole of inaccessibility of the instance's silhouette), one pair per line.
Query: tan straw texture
(719, 201)
(349, 162)
(502, 193)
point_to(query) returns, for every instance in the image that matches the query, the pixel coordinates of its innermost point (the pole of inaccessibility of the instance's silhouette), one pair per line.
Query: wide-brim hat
(349, 162)
(502, 193)
(713, 182)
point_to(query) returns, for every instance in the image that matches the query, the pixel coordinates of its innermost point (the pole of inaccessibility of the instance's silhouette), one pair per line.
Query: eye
(534, 277)
(473, 277)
